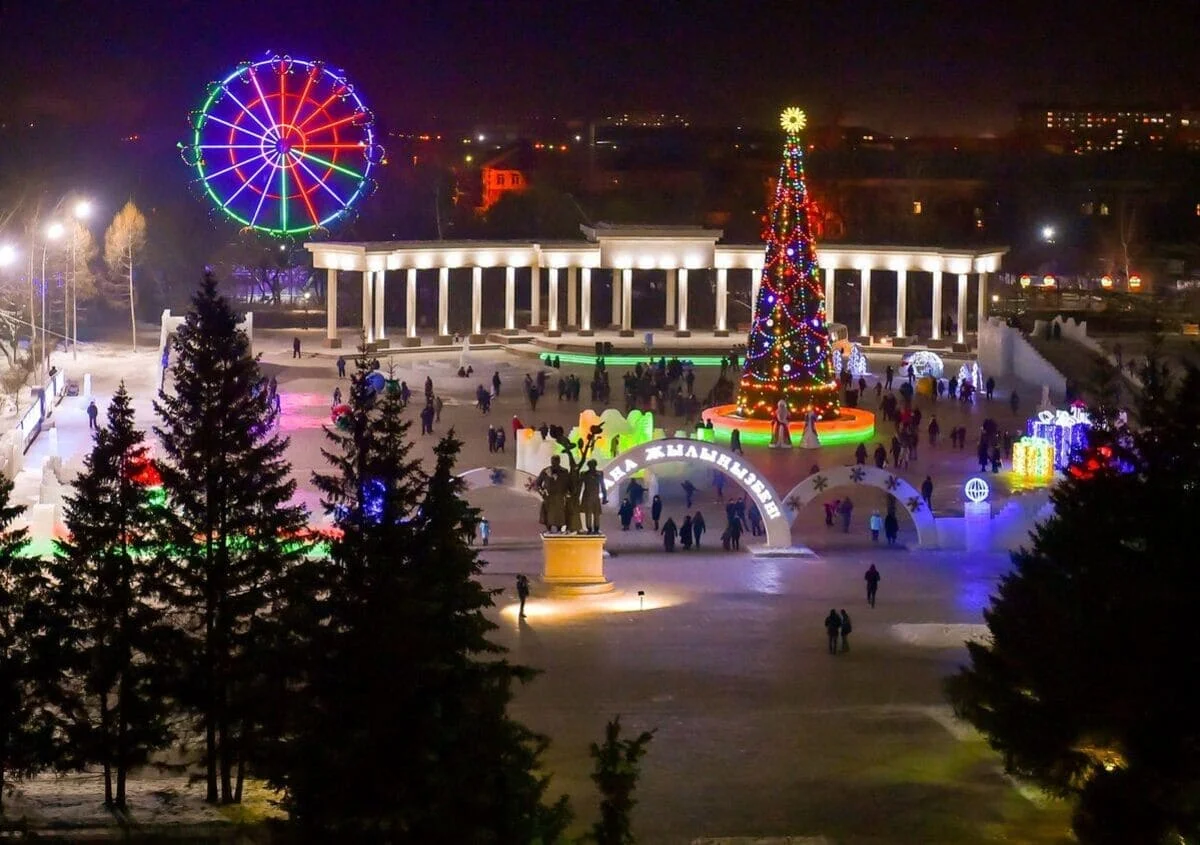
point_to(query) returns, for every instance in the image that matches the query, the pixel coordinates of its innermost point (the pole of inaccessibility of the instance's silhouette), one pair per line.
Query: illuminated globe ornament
(283, 146)
(793, 120)
(976, 490)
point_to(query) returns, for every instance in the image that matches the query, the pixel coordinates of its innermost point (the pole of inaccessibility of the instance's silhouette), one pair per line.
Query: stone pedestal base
(478, 338)
(410, 342)
(443, 340)
(535, 328)
(509, 332)
(553, 333)
(333, 343)
(625, 333)
(573, 564)
(586, 333)
(682, 333)
(721, 333)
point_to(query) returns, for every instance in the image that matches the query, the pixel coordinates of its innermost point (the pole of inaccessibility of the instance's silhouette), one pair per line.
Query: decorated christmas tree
(788, 354)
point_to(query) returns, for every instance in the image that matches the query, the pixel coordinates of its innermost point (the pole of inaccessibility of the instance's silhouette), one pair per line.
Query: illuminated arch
(516, 480)
(736, 467)
(820, 483)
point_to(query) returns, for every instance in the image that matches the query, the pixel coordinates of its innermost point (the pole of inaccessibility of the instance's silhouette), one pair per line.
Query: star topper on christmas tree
(793, 120)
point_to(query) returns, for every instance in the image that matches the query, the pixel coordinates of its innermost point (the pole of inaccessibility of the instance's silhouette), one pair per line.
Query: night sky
(905, 67)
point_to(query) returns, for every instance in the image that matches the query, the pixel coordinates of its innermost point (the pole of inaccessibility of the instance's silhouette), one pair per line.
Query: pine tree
(229, 488)
(26, 729)
(1086, 687)
(788, 354)
(106, 606)
(402, 731)
(616, 773)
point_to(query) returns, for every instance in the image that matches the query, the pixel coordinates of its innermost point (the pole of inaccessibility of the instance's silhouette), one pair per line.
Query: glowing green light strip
(331, 165)
(631, 360)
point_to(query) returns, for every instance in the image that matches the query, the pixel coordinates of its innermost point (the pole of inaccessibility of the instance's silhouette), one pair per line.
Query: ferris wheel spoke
(318, 110)
(312, 76)
(262, 99)
(283, 199)
(229, 147)
(238, 127)
(335, 146)
(246, 184)
(312, 212)
(322, 183)
(331, 165)
(262, 197)
(334, 123)
(246, 109)
(240, 164)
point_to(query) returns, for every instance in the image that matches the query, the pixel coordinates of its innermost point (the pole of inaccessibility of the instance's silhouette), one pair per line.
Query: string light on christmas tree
(788, 355)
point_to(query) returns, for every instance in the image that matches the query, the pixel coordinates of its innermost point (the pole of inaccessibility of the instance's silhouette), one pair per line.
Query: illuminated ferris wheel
(283, 146)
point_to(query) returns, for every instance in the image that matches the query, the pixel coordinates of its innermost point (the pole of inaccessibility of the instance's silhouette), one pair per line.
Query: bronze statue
(561, 487)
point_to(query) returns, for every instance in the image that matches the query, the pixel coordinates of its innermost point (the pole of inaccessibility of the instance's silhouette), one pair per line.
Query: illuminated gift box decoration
(1067, 431)
(1033, 459)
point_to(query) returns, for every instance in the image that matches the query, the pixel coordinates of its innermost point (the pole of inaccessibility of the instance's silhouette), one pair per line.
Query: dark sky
(906, 66)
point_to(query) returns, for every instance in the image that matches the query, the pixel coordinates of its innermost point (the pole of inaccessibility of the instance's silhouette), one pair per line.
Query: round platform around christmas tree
(853, 425)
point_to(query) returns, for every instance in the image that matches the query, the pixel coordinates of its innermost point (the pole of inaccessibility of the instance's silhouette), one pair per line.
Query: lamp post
(83, 210)
(53, 232)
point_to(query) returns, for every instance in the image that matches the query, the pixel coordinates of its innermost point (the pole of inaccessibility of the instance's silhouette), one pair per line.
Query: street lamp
(1048, 234)
(83, 210)
(8, 254)
(53, 232)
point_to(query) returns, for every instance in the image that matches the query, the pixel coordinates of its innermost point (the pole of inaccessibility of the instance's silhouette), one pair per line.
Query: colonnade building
(624, 253)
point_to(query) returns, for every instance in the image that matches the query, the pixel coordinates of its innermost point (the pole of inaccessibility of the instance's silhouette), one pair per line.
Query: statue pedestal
(573, 564)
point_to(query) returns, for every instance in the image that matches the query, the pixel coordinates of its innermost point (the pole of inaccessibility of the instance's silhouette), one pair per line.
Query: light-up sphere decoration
(976, 490)
(925, 363)
(1067, 431)
(1033, 459)
(855, 362)
(283, 146)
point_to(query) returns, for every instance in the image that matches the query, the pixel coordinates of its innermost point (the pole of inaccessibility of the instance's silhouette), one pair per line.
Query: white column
(410, 302)
(722, 295)
(627, 300)
(981, 305)
(616, 298)
(368, 323)
(830, 287)
(962, 308)
(937, 305)
(672, 283)
(864, 307)
(331, 295)
(901, 302)
(572, 297)
(552, 298)
(585, 300)
(535, 296)
(476, 300)
(380, 279)
(510, 298)
(755, 284)
(682, 327)
(443, 301)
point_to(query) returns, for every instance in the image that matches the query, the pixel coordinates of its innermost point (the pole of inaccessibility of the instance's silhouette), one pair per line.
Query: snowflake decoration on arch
(819, 483)
(857, 474)
(794, 504)
(915, 503)
(498, 476)
(892, 483)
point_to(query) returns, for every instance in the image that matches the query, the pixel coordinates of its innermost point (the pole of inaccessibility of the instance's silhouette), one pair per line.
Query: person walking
(668, 534)
(846, 508)
(491, 437)
(698, 528)
(872, 578)
(295, 347)
(685, 533)
(341, 366)
(522, 594)
(891, 527)
(860, 454)
(625, 513)
(833, 630)
(437, 408)
(427, 420)
(927, 491)
(93, 412)
(495, 383)
(735, 534)
(500, 438)
(485, 530)
(689, 490)
(876, 524)
(846, 629)
(735, 442)
(656, 510)
(638, 517)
